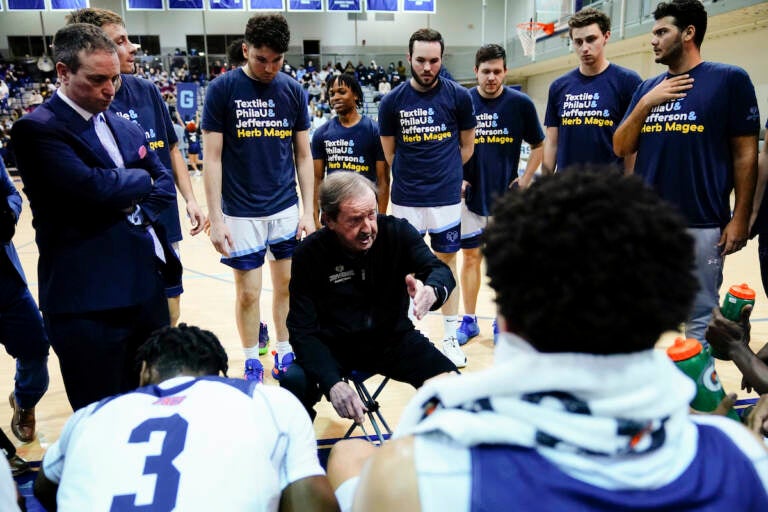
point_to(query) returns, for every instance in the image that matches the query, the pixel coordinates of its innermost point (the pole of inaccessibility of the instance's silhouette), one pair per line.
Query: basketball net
(529, 32)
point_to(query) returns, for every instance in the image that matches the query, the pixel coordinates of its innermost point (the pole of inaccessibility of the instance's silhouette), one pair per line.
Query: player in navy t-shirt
(695, 131)
(427, 131)
(140, 101)
(255, 126)
(586, 105)
(349, 142)
(505, 117)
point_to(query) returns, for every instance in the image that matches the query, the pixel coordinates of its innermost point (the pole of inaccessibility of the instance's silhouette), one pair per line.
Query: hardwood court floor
(208, 301)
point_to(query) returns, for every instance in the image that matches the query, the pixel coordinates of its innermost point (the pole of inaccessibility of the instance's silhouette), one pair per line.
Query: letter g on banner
(186, 100)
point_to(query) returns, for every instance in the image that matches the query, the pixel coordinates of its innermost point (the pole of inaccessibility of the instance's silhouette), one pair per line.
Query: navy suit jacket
(12, 196)
(91, 257)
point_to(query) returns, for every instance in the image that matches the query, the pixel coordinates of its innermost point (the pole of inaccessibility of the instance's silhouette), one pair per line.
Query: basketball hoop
(529, 32)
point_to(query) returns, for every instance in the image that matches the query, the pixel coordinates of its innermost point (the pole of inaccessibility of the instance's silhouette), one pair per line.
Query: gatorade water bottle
(696, 363)
(738, 296)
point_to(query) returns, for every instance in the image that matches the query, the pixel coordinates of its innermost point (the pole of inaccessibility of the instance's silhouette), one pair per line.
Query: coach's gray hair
(339, 186)
(71, 39)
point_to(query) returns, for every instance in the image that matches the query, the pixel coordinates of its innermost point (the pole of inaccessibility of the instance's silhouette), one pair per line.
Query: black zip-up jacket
(356, 303)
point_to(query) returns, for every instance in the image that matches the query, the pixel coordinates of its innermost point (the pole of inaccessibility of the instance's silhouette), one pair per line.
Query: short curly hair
(590, 262)
(270, 30)
(173, 350)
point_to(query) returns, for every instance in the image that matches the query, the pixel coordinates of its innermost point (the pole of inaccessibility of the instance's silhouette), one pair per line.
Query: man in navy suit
(95, 190)
(21, 327)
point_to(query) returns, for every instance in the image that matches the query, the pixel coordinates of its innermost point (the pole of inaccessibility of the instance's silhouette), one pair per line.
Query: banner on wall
(427, 6)
(144, 5)
(186, 99)
(69, 5)
(192, 5)
(345, 5)
(381, 5)
(226, 5)
(305, 5)
(26, 5)
(267, 5)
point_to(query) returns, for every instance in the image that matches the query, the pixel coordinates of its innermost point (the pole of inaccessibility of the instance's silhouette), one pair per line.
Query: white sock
(251, 352)
(283, 348)
(450, 324)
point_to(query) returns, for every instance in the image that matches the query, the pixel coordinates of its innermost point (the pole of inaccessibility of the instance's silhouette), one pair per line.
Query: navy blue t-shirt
(587, 110)
(356, 148)
(140, 101)
(258, 122)
(502, 125)
(684, 147)
(427, 168)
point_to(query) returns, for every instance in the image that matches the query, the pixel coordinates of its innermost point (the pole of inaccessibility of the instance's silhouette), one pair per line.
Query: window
(217, 43)
(150, 45)
(28, 45)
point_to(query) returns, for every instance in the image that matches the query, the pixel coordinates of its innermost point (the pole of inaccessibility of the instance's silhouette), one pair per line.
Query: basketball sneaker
(254, 370)
(453, 352)
(263, 338)
(467, 329)
(281, 366)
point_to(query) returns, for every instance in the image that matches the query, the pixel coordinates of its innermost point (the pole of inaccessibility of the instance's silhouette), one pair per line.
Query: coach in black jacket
(350, 287)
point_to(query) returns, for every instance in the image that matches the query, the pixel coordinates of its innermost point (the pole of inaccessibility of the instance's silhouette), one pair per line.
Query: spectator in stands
(401, 69)
(384, 86)
(217, 68)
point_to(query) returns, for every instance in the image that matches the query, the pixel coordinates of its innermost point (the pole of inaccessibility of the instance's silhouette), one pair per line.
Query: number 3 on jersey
(167, 484)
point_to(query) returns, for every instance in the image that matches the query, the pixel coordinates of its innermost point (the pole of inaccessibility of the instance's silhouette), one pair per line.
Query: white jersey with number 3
(187, 444)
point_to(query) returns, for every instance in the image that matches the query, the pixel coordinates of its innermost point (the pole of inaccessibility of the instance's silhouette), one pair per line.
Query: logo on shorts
(452, 235)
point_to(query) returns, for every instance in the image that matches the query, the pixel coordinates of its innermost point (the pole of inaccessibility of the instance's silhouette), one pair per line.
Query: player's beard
(421, 82)
(672, 54)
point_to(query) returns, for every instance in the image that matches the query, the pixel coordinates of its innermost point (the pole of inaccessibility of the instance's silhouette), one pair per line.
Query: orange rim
(535, 26)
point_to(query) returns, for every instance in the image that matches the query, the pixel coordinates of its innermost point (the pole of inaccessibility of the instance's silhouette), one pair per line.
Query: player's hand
(669, 89)
(196, 217)
(347, 402)
(522, 182)
(725, 335)
(725, 405)
(734, 237)
(762, 355)
(221, 238)
(464, 185)
(757, 421)
(423, 296)
(306, 226)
